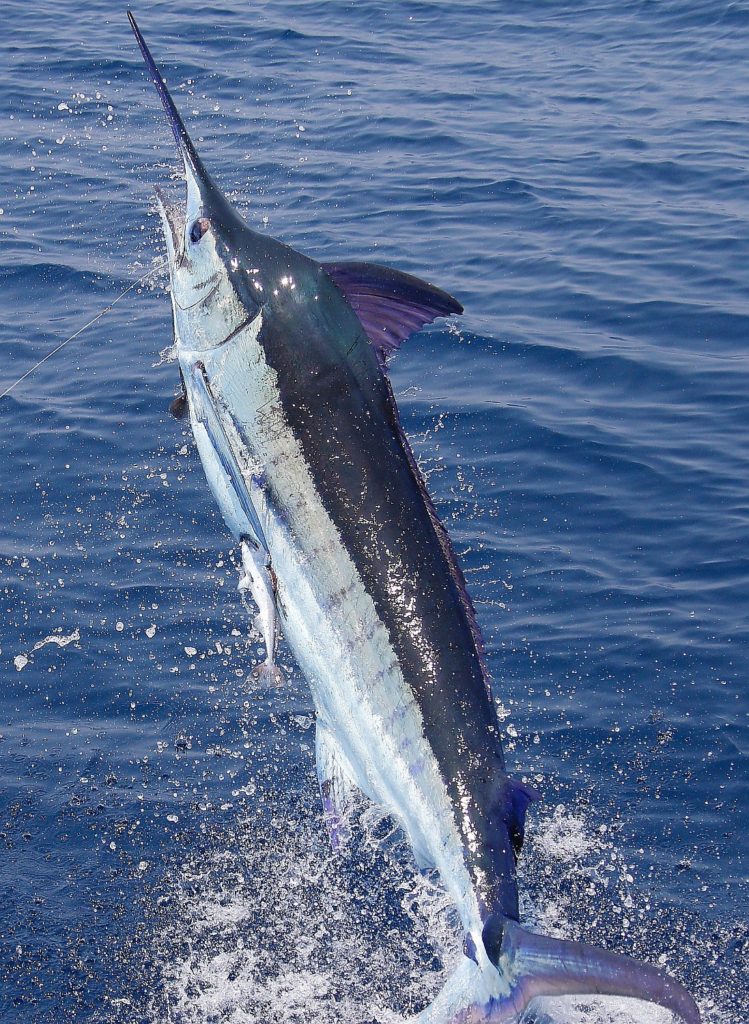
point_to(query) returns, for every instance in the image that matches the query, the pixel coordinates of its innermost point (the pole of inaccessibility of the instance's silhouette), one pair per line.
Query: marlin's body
(283, 365)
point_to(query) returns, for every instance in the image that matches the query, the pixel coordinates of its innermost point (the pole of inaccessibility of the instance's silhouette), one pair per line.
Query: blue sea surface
(578, 175)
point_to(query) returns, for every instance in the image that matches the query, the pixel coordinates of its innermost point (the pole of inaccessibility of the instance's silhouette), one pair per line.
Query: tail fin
(535, 965)
(541, 966)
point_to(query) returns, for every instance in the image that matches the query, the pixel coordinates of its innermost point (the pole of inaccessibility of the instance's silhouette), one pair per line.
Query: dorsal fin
(391, 305)
(443, 537)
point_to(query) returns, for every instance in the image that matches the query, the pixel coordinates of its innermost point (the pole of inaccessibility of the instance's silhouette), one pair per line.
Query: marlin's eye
(199, 228)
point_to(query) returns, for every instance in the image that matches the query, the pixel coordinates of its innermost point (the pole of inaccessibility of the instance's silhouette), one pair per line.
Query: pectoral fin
(178, 405)
(205, 413)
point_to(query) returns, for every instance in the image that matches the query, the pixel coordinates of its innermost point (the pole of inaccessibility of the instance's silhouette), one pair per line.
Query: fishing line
(159, 266)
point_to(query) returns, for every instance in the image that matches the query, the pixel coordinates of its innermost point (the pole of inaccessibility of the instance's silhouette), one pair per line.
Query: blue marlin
(283, 363)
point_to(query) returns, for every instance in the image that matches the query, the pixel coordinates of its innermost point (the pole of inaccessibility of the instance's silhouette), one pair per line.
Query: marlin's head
(215, 289)
(205, 301)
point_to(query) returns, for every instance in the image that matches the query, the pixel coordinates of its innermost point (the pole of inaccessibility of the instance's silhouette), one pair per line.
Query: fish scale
(365, 682)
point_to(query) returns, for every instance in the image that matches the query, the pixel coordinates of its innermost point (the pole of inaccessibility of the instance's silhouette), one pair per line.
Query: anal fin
(205, 415)
(336, 786)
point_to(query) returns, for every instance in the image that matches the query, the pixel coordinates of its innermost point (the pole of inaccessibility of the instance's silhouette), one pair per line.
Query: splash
(280, 929)
(58, 639)
(264, 924)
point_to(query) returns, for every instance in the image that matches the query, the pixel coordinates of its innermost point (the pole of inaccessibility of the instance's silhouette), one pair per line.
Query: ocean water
(578, 175)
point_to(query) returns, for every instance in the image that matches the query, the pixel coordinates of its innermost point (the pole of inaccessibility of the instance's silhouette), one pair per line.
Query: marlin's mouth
(173, 222)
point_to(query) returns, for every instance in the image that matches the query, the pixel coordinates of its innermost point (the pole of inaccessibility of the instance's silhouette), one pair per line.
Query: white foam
(278, 932)
(566, 836)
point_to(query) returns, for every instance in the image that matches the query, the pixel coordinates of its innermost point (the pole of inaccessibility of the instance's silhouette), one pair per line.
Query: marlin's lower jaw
(173, 223)
(205, 305)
